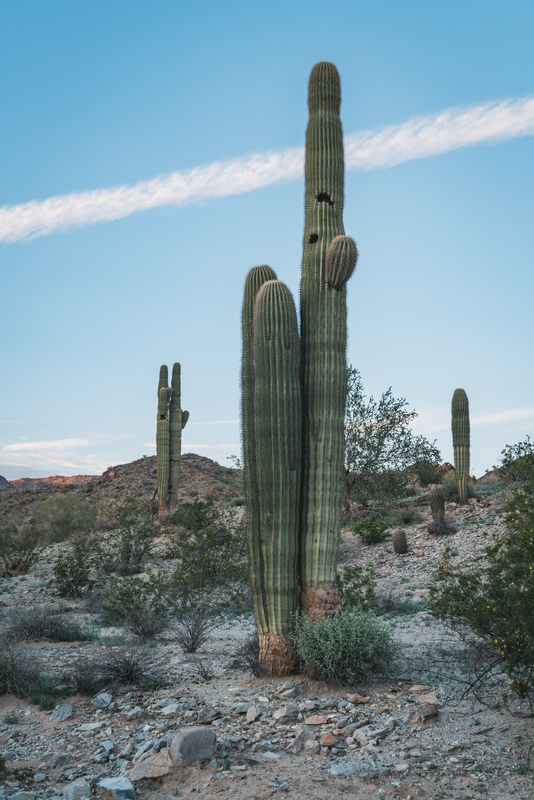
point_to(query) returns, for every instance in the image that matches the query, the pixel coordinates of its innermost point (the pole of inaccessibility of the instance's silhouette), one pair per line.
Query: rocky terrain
(214, 730)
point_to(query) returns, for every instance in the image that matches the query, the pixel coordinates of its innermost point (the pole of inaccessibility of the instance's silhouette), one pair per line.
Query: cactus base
(318, 602)
(276, 656)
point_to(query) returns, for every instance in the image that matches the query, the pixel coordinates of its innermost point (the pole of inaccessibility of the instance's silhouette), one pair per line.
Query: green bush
(36, 623)
(491, 604)
(11, 719)
(350, 647)
(373, 529)
(357, 587)
(211, 553)
(61, 516)
(141, 605)
(72, 574)
(517, 462)
(449, 488)
(18, 549)
(22, 675)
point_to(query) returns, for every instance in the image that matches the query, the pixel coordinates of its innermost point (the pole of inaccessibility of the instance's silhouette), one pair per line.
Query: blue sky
(97, 95)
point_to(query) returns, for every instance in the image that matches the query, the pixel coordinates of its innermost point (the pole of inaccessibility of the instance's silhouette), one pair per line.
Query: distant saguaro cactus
(170, 422)
(460, 441)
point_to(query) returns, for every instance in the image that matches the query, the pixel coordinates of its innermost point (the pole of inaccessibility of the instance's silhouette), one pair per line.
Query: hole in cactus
(324, 197)
(314, 237)
(162, 416)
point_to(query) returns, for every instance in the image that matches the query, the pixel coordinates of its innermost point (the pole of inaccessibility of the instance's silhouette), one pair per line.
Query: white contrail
(420, 137)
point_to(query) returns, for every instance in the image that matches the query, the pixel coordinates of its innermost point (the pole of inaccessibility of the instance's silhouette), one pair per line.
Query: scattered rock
(316, 719)
(304, 735)
(252, 714)
(102, 700)
(191, 745)
(117, 789)
(61, 713)
(77, 789)
(155, 766)
(357, 699)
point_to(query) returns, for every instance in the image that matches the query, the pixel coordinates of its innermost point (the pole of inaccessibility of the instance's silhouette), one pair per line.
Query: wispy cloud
(55, 454)
(420, 137)
(53, 445)
(431, 420)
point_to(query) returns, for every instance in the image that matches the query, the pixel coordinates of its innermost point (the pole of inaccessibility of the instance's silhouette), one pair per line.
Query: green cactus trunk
(437, 504)
(273, 523)
(460, 441)
(328, 261)
(170, 422)
(177, 422)
(256, 277)
(162, 442)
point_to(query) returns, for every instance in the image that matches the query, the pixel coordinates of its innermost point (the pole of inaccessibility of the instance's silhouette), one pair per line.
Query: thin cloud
(420, 137)
(438, 419)
(54, 445)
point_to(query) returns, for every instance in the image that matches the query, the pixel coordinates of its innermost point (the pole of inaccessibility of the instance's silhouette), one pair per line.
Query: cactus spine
(170, 422)
(328, 261)
(460, 441)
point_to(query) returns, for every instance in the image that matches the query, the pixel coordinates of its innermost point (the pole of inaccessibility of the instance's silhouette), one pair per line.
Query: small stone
(192, 744)
(327, 740)
(126, 751)
(143, 749)
(348, 768)
(284, 787)
(428, 698)
(61, 713)
(357, 699)
(252, 714)
(77, 789)
(303, 736)
(23, 795)
(418, 688)
(133, 713)
(39, 777)
(117, 789)
(155, 766)
(172, 709)
(58, 760)
(91, 726)
(316, 719)
(102, 700)
(207, 715)
(402, 766)
(242, 708)
(286, 712)
(163, 742)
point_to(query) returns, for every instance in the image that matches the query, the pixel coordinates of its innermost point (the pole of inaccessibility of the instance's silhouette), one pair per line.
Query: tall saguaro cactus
(460, 441)
(170, 422)
(328, 262)
(293, 484)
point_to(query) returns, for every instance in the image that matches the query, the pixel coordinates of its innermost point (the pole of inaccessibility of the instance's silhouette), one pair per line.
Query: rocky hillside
(201, 477)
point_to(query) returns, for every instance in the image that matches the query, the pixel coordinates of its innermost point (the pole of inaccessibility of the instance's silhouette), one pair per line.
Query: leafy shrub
(35, 623)
(491, 605)
(20, 671)
(357, 587)
(404, 516)
(211, 552)
(120, 665)
(517, 462)
(142, 606)
(123, 550)
(387, 600)
(72, 574)
(450, 490)
(427, 472)
(349, 647)
(11, 719)
(196, 621)
(379, 444)
(373, 529)
(61, 516)
(18, 549)
(84, 678)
